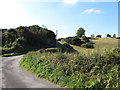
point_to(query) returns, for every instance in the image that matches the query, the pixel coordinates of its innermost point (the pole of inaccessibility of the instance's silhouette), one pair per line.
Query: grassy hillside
(106, 43)
(90, 68)
(101, 45)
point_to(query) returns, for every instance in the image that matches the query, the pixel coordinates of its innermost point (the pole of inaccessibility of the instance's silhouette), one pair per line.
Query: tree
(108, 35)
(80, 32)
(114, 35)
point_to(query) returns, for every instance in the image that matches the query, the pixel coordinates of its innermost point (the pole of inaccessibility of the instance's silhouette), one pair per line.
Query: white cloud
(91, 10)
(70, 1)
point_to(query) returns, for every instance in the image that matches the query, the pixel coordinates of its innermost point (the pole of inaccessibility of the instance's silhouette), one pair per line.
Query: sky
(66, 16)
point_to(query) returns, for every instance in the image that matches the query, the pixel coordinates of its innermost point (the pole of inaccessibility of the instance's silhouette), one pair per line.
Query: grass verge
(10, 54)
(75, 70)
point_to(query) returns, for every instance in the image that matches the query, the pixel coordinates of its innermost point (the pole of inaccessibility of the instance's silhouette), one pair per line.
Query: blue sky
(65, 16)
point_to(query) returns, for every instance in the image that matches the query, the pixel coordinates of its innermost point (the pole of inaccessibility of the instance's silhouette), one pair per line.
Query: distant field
(101, 45)
(106, 43)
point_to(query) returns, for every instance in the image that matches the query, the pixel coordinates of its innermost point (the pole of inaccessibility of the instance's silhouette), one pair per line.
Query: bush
(7, 51)
(64, 48)
(87, 45)
(116, 50)
(24, 39)
(67, 48)
(75, 70)
(118, 38)
(98, 36)
(74, 41)
(60, 39)
(85, 39)
(108, 35)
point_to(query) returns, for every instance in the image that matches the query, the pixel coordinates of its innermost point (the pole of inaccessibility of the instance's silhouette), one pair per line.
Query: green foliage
(116, 50)
(118, 37)
(99, 36)
(24, 39)
(80, 32)
(85, 42)
(108, 35)
(85, 39)
(87, 45)
(63, 48)
(74, 41)
(114, 35)
(67, 48)
(74, 70)
(10, 54)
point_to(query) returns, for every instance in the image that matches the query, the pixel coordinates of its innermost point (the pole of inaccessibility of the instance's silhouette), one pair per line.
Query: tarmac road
(14, 76)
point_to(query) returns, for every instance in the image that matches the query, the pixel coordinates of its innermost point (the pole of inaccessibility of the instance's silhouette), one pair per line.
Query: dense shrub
(85, 42)
(74, 41)
(116, 50)
(67, 48)
(63, 48)
(98, 36)
(24, 39)
(85, 39)
(60, 39)
(75, 70)
(108, 35)
(118, 38)
(87, 45)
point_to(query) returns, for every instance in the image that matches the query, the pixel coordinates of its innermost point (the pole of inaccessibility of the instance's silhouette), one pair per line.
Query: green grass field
(101, 45)
(106, 43)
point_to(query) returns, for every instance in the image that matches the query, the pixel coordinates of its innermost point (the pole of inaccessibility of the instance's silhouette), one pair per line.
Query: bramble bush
(85, 42)
(73, 70)
(116, 50)
(85, 39)
(87, 45)
(64, 48)
(23, 39)
(74, 41)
